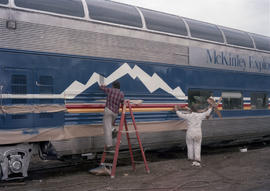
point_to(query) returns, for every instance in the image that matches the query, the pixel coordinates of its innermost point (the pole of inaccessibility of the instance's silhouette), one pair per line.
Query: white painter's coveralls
(194, 132)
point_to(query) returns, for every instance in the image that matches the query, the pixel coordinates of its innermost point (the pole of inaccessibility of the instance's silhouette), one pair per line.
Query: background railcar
(52, 58)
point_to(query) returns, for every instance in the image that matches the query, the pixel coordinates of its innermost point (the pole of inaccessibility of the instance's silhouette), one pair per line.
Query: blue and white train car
(54, 52)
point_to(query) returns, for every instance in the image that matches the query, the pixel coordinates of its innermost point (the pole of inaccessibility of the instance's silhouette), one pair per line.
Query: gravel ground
(229, 170)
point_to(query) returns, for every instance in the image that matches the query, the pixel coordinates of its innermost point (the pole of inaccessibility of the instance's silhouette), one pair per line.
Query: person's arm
(207, 113)
(180, 113)
(104, 88)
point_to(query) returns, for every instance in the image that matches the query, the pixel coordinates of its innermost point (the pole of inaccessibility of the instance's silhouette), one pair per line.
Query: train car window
(239, 38)
(3, 1)
(205, 31)
(232, 100)
(45, 85)
(262, 42)
(19, 86)
(113, 12)
(259, 100)
(198, 98)
(164, 22)
(65, 7)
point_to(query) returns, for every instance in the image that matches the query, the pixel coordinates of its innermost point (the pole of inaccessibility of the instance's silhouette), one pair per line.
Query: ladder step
(139, 162)
(138, 149)
(110, 151)
(106, 164)
(131, 131)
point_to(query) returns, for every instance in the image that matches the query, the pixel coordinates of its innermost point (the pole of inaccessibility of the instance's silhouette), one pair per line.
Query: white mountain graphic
(152, 83)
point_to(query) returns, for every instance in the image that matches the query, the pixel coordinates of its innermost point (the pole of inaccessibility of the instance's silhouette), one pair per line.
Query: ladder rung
(132, 131)
(110, 152)
(139, 162)
(136, 150)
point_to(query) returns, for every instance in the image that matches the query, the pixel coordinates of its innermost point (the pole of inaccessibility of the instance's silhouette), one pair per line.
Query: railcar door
(17, 86)
(45, 87)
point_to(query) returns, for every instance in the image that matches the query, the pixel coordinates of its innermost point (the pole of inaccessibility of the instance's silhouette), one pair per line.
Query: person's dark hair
(116, 84)
(194, 107)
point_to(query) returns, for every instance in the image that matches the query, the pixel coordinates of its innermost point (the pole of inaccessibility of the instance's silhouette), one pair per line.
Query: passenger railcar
(53, 55)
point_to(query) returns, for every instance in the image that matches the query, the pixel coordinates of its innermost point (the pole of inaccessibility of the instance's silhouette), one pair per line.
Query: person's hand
(211, 102)
(187, 108)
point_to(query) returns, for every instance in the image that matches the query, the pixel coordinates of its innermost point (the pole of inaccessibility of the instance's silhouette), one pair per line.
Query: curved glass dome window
(262, 42)
(164, 22)
(65, 7)
(236, 37)
(114, 12)
(204, 31)
(3, 1)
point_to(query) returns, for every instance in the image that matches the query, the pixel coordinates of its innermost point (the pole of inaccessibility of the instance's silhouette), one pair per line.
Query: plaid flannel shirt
(114, 98)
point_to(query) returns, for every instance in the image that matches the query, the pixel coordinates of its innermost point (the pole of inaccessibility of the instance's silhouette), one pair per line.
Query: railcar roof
(127, 15)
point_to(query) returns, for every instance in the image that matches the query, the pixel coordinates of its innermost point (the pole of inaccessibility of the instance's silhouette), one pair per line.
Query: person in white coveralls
(194, 132)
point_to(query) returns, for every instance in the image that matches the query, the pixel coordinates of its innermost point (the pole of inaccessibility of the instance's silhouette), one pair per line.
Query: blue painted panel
(3, 1)
(245, 113)
(42, 120)
(14, 85)
(67, 69)
(2, 118)
(18, 121)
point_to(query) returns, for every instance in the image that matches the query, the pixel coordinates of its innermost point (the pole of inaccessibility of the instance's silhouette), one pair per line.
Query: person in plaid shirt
(114, 98)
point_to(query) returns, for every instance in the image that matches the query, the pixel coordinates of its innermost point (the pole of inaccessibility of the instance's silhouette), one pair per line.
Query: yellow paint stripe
(247, 107)
(127, 110)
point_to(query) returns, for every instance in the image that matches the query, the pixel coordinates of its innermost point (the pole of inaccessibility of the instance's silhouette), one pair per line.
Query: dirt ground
(226, 171)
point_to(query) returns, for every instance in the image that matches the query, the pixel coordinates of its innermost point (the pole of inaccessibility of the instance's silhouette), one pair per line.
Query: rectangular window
(259, 100)
(232, 100)
(198, 98)
(19, 86)
(45, 85)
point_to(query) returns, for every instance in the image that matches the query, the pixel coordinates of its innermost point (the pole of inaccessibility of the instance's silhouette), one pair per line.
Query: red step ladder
(119, 135)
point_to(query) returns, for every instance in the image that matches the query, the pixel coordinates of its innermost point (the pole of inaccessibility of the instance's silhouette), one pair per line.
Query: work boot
(196, 163)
